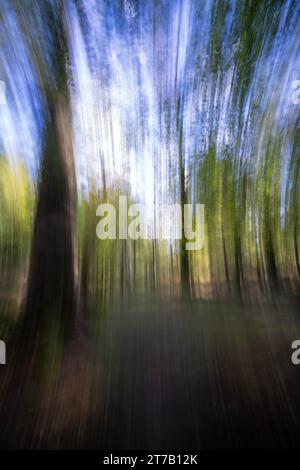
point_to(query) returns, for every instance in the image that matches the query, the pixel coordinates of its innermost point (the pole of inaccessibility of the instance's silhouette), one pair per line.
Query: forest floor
(165, 375)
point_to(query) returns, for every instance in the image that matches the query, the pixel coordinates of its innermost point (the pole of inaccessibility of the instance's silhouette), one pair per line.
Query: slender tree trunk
(184, 257)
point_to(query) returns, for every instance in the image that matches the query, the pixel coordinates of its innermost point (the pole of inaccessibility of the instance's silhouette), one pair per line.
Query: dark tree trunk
(184, 257)
(51, 302)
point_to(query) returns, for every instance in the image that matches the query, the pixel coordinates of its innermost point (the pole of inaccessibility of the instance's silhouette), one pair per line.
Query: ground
(158, 375)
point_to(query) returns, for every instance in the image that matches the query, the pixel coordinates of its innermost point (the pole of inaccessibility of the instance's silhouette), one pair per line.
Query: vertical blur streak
(171, 102)
(178, 102)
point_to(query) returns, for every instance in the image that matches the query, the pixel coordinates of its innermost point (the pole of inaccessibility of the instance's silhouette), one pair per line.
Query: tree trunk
(51, 302)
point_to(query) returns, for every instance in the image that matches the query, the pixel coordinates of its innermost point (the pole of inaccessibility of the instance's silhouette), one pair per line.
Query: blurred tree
(52, 294)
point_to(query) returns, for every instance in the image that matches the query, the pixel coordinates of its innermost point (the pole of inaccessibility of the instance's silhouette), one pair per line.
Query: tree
(52, 295)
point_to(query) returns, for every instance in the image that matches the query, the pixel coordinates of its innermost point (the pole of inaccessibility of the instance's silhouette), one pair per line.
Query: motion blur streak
(140, 343)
